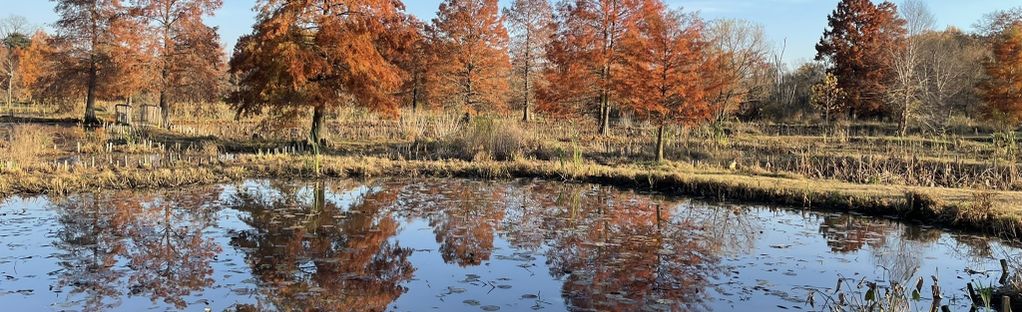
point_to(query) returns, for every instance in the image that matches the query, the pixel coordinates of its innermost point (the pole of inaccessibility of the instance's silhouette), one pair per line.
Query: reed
(24, 145)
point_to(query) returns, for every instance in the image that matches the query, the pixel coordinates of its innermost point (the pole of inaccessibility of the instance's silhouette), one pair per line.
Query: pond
(460, 245)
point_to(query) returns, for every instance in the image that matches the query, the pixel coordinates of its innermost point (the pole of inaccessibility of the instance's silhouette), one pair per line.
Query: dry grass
(25, 145)
(937, 177)
(490, 139)
(961, 208)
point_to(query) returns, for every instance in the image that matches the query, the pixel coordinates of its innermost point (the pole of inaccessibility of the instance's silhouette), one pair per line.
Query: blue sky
(800, 22)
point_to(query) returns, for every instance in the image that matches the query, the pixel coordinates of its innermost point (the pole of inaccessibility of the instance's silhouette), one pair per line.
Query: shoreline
(987, 212)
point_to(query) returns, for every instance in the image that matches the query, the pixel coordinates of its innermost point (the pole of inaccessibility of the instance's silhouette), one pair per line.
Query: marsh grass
(491, 139)
(929, 177)
(24, 145)
(1014, 276)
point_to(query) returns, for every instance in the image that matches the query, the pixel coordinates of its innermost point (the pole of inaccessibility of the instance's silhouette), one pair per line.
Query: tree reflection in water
(335, 247)
(615, 250)
(464, 215)
(847, 233)
(619, 251)
(160, 237)
(312, 253)
(92, 238)
(169, 256)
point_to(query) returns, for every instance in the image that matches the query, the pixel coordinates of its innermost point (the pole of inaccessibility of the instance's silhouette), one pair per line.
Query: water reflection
(847, 233)
(614, 250)
(91, 236)
(402, 245)
(310, 254)
(160, 239)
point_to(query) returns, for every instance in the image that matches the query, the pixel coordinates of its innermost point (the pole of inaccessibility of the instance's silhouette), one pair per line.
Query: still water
(457, 245)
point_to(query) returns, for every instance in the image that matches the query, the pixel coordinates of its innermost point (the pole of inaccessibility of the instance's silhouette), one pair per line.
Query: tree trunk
(528, 72)
(164, 111)
(317, 126)
(165, 71)
(415, 100)
(599, 118)
(525, 109)
(605, 114)
(90, 97)
(10, 91)
(660, 144)
(525, 112)
(905, 113)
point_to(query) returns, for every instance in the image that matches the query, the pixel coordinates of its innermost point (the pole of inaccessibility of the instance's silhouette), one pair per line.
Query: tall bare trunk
(528, 73)
(164, 110)
(660, 144)
(317, 125)
(528, 95)
(605, 114)
(415, 98)
(165, 83)
(906, 112)
(10, 93)
(90, 96)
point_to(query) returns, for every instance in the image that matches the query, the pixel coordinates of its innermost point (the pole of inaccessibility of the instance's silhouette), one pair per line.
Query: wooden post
(1004, 271)
(1005, 304)
(972, 294)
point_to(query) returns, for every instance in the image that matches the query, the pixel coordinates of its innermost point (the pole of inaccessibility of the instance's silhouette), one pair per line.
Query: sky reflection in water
(451, 245)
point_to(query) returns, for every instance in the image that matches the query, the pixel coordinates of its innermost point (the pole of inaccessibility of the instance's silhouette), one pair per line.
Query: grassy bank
(966, 178)
(985, 211)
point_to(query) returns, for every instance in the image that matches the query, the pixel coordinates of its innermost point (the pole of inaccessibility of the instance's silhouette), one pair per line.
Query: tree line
(563, 60)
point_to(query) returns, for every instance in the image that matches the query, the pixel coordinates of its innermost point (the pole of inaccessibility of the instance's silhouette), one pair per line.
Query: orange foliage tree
(13, 42)
(859, 42)
(131, 58)
(584, 57)
(187, 53)
(1002, 91)
(86, 36)
(343, 52)
(34, 62)
(472, 44)
(661, 77)
(532, 26)
(420, 64)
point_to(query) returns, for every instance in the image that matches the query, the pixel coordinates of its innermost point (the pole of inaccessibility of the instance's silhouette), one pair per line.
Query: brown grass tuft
(491, 139)
(24, 144)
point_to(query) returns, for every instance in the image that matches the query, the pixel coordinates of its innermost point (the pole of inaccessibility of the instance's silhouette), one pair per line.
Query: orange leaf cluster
(663, 65)
(343, 52)
(1003, 89)
(585, 55)
(472, 44)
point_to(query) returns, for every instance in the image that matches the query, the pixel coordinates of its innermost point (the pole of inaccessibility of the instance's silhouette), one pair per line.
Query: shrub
(490, 139)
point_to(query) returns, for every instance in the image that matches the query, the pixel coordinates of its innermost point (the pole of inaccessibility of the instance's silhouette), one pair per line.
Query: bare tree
(952, 65)
(909, 82)
(996, 22)
(14, 32)
(745, 46)
(791, 98)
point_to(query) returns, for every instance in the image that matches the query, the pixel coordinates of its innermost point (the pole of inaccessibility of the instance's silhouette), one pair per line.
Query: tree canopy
(343, 53)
